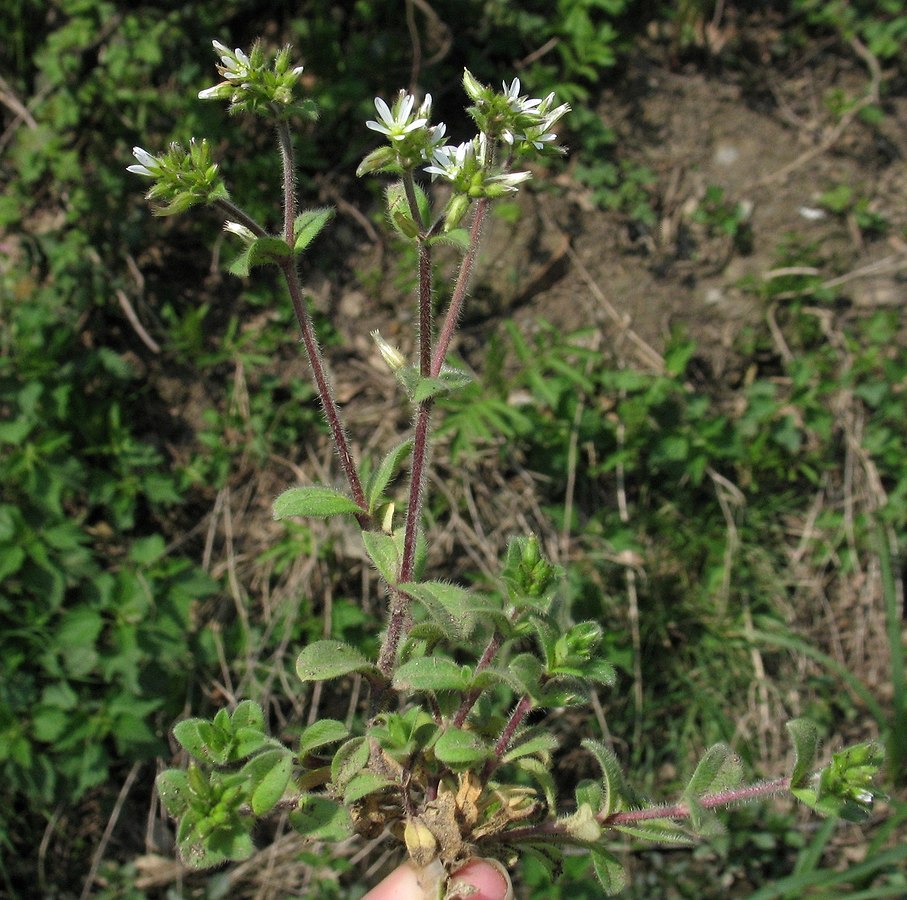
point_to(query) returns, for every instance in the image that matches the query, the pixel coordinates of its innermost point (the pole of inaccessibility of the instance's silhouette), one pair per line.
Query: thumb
(488, 878)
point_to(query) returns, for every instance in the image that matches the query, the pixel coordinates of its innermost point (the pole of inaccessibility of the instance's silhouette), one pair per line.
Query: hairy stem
(554, 829)
(461, 286)
(331, 412)
(707, 801)
(500, 748)
(393, 634)
(316, 361)
(235, 214)
(285, 139)
(470, 699)
(418, 463)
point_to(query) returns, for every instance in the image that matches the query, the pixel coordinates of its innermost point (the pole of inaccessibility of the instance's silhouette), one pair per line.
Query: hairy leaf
(432, 673)
(362, 785)
(203, 740)
(718, 770)
(324, 731)
(614, 789)
(248, 714)
(269, 774)
(610, 873)
(173, 788)
(541, 772)
(308, 225)
(321, 819)
(315, 500)
(383, 551)
(805, 736)
(385, 472)
(448, 606)
(260, 252)
(537, 742)
(461, 749)
(330, 659)
(349, 760)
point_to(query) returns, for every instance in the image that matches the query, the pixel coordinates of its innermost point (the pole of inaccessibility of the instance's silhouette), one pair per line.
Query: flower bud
(390, 354)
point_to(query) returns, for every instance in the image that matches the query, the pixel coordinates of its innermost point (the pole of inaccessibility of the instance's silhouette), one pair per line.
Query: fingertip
(401, 884)
(489, 878)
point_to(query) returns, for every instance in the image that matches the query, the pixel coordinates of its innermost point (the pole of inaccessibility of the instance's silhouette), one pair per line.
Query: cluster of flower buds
(259, 84)
(522, 122)
(518, 124)
(268, 84)
(182, 178)
(411, 139)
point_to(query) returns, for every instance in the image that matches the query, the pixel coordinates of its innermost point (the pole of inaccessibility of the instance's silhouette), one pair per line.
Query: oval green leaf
(315, 500)
(330, 659)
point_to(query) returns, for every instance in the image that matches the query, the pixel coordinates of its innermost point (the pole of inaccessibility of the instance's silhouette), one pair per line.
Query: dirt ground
(576, 265)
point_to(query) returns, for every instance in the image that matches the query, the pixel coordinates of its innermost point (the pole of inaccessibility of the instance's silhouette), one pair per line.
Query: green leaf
(248, 714)
(321, 819)
(589, 792)
(718, 770)
(610, 873)
(550, 858)
(541, 772)
(614, 789)
(349, 760)
(382, 551)
(523, 674)
(805, 736)
(204, 843)
(173, 789)
(661, 831)
(448, 605)
(269, 774)
(447, 380)
(330, 659)
(600, 671)
(247, 741)
(457, 237)
(202, 740)
(461, 749)
(432, 673)
(261, 251)
(362, 785)
(317, 500)
(385, 472)
(308, 225)
(541, 742)
(324, 731)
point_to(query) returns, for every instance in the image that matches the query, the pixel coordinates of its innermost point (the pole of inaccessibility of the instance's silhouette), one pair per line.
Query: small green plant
(446, 757)
(842, 200)
(722, 216)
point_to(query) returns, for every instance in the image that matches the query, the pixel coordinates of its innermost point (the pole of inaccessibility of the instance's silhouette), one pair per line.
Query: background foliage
(122, 603)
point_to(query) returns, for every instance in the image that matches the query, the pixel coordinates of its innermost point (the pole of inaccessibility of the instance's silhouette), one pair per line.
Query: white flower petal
(384, 111)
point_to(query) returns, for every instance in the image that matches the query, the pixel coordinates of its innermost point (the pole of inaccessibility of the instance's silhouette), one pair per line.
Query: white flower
(390, 354)
(451, 161)
(510, 180)
(436, 135)
(148, 165)
(236, 64)
(241, 231)
(397, 124)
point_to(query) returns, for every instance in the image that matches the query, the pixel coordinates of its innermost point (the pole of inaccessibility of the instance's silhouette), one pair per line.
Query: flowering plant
(437, 761)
